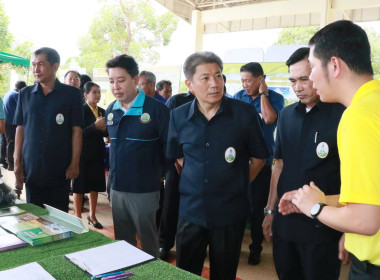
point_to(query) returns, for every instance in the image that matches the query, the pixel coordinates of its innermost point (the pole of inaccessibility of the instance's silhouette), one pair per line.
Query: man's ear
(336, 66)
(189, 85)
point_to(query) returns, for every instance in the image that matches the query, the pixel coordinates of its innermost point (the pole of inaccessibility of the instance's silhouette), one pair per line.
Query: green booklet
(44, 234)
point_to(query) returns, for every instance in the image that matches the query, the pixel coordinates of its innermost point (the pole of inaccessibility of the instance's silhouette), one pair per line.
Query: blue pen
(118, 276)
(107, 274)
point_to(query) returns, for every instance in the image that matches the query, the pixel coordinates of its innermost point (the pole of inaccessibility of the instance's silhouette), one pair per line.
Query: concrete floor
(264, 271)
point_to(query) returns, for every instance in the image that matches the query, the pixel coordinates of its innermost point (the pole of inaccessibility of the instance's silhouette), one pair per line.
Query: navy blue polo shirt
(215, 177)
(277, 102)
(138, 144)
(179, 99)
(300, 136)
(10, 104)
(47, 124)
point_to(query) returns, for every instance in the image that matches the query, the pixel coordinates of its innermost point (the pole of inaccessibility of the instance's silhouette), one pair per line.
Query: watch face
(315, 209)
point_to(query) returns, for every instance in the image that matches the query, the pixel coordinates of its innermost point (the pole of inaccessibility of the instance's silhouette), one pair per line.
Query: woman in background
(91, 177)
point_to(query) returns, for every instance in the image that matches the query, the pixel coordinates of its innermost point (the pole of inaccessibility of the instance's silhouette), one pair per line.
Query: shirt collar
(365, 89)
(136, 108)
(225, 107)
(37, 87)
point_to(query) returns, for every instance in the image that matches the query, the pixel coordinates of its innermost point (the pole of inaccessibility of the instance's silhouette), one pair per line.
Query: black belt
(365, 266)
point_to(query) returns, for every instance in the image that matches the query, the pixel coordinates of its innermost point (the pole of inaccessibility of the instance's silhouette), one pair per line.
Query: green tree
(5, 37)
(296, 35)
(302, 35)
(126, 26)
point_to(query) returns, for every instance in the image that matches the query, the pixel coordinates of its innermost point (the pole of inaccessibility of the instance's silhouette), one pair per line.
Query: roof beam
(260, 10)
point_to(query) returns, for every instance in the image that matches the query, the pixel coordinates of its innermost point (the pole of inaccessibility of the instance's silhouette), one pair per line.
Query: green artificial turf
(51, 257)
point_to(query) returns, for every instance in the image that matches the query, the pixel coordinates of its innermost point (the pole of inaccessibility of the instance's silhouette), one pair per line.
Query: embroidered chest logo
(322, 150)
(110, 119)
(59, 119)
(230, 154)
(145, 118)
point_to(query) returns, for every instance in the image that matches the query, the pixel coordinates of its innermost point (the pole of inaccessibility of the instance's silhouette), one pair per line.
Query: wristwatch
(268, 212)
(266, 93)
(316, 210)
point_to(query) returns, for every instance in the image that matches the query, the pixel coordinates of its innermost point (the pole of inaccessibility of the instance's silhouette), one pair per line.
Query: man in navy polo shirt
(268, 104)
(220, 142)
(10, 104)
(147, 82)
(49, 119)
(138, 126)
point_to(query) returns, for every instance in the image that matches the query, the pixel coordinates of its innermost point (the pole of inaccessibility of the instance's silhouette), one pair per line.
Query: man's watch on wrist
(268, 211)
(316, 210)
(266, 93)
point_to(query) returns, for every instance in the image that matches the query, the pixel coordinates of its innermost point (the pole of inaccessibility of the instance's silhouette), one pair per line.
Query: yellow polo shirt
(359, 151)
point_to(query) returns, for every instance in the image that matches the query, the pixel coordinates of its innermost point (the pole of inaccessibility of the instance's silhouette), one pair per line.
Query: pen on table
(113, 277)
(107, 274)
(118, 277)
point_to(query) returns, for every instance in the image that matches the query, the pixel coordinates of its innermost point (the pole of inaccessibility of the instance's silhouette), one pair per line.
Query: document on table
(33, 270)
(108, 258)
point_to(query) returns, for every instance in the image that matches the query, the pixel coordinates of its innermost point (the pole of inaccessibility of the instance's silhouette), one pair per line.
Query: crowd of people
(191, 169)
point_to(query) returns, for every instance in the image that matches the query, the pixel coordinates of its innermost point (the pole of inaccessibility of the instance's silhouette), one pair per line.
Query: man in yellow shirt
(342, 72)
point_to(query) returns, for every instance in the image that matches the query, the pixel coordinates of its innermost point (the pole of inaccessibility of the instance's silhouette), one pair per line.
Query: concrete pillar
(198, 29)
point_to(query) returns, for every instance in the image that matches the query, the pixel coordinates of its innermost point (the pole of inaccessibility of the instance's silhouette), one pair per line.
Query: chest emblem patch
(322, 150)
(145, 118)
(109, 119)
(59, 119)
(230, 154)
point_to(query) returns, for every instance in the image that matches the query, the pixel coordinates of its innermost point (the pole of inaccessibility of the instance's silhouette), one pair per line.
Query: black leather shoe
(164, 254)
(254, 259)
(95, 224)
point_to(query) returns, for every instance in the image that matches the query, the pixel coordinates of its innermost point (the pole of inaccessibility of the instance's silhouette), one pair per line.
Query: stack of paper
(30, 271)
(9, 241)
(108, 258)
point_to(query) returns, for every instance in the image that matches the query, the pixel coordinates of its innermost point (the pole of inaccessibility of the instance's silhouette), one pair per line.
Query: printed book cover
(13, 210)
(44, 234)
(9, 241)
(26, 221)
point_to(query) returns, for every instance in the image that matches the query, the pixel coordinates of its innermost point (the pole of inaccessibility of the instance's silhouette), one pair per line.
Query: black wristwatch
(266, 93)
(316, 210)
(268, 211)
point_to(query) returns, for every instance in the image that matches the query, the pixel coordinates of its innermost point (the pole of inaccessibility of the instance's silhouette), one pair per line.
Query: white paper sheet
(30, 271)
(107, 258)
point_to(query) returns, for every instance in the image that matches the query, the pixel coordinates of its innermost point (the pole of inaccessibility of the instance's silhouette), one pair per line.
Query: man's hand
(267, 227)
(263, 87)
(286, 206)
(307, 196)
(72, 171)
(343, 255)
(19, 173)
(100, 123)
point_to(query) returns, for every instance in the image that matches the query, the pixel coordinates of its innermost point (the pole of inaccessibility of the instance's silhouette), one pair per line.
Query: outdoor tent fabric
(14, 59)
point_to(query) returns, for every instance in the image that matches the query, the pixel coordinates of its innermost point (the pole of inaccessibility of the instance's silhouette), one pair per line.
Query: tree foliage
(126, 26)
(296, 35)
(5, 37)
(302, 35)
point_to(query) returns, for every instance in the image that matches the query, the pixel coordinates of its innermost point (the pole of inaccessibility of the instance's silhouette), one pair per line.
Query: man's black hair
(126, 62)
(254, 68)
(51, 55)
(347, 41)
(298, 55)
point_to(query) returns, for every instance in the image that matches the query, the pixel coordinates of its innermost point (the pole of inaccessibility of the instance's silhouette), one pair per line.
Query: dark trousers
(306, 261)
(57, 197)
(224, 249)
(363, 270)
(3, 149)
(160, 205)
(169, 218)
(258, 195)
(10, 134)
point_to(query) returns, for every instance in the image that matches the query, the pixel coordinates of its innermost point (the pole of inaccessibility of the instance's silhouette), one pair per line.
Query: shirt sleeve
(278, 103)
(359, 153)
(173, 149)
(277, 147)
(257, 147)
(19, 117)
(2, 115)
(77, 110)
